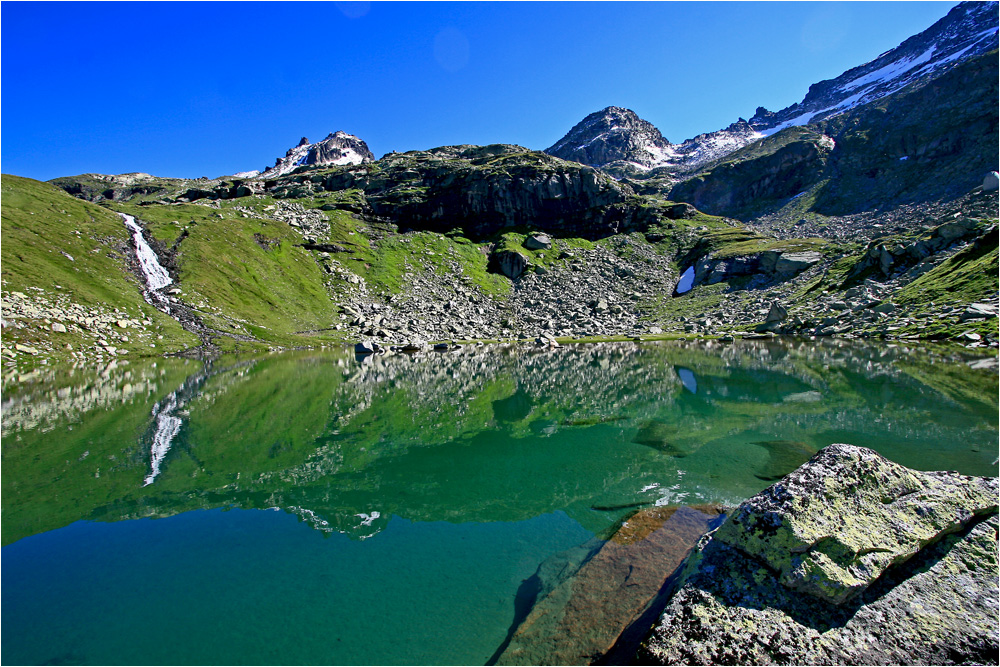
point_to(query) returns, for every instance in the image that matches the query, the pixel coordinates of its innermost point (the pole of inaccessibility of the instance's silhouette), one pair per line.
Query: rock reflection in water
(494, 433)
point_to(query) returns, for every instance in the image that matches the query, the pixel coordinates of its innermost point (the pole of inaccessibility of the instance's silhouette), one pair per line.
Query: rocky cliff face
(479, 189)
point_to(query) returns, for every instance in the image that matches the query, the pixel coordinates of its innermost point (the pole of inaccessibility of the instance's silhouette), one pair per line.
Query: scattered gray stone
(978, 311)
(991, 181)
(777, 313)
(510, 263)
(793, 262)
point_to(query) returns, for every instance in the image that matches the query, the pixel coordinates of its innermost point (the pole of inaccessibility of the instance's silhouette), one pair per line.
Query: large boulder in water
(851, 559)
(832, 527)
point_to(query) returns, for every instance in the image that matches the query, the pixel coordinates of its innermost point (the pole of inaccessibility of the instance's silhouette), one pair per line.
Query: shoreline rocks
(851, 559)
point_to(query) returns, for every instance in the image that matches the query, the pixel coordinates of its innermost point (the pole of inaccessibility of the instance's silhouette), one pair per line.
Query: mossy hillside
(699, 301)
(243, 275)
(386, 264)
(919, 144)
(558, 255)
(135, 187)
(74, 252)
(760, 177)
(966, 277)
(766, 147)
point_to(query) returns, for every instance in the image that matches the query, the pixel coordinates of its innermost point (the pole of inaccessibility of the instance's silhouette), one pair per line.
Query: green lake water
(319, 508)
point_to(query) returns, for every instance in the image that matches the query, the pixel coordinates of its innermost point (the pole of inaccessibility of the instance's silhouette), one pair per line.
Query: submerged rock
(783, 456)
(580, 617)
(667, 438)
(851, 559)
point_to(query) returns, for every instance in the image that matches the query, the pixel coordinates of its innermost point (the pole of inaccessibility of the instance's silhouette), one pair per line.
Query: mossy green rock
(828, 533)
(939, 608)
(833, 526)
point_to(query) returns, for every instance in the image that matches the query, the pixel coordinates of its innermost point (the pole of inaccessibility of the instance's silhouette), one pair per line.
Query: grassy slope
(41, 226)
(236, 284)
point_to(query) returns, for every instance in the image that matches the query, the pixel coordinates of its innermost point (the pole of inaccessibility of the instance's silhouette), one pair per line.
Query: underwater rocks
(581, 612)
(851, 559)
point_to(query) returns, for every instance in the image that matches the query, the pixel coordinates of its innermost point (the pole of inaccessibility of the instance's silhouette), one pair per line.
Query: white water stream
(156, 276)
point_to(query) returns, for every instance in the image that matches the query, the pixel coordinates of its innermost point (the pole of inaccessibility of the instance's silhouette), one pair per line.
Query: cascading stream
(156, 276)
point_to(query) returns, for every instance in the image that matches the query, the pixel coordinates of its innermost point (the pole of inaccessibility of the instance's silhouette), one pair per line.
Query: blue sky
(206, 89)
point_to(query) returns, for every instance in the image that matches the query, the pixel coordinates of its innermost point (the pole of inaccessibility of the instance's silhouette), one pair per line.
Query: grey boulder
(851, 559)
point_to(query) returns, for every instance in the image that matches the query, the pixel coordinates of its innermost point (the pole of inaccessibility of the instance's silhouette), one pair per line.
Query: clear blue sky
(206, 89)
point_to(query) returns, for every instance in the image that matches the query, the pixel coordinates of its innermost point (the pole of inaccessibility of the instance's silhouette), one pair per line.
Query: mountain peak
(612, 134)
(338, 148)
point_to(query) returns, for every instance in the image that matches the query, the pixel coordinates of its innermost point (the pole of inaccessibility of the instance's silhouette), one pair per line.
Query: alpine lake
(322, 508)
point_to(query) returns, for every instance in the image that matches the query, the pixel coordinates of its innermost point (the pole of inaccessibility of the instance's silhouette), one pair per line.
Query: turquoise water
(317, 508)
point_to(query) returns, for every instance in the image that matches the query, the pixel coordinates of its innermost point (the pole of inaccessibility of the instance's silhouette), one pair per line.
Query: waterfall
(156, 276)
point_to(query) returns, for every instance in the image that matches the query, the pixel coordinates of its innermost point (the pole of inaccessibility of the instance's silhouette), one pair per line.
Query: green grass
(43, 227)
(235, 281)
(968, 276)
(742, 248)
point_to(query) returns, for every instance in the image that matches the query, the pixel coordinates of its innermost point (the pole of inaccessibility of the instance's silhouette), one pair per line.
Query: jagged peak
(338, 148)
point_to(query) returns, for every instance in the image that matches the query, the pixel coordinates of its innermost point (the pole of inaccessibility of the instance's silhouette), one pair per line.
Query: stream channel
(322, 508)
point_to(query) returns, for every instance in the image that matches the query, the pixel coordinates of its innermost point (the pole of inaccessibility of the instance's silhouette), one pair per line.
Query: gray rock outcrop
(851, 559)
(509, 262)
(991, 181)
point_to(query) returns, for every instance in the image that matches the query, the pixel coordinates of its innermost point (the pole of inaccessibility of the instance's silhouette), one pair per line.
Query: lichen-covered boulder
(834, 525)
(938, 606)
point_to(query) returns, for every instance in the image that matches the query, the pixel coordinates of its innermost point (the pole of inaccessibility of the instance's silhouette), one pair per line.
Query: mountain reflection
(487, 433)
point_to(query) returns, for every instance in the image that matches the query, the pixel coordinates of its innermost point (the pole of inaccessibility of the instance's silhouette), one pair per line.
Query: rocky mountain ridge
(618, 140)
(338, 148)
(968, 30)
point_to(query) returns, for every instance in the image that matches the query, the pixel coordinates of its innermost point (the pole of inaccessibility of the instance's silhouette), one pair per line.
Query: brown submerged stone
(581, 620)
